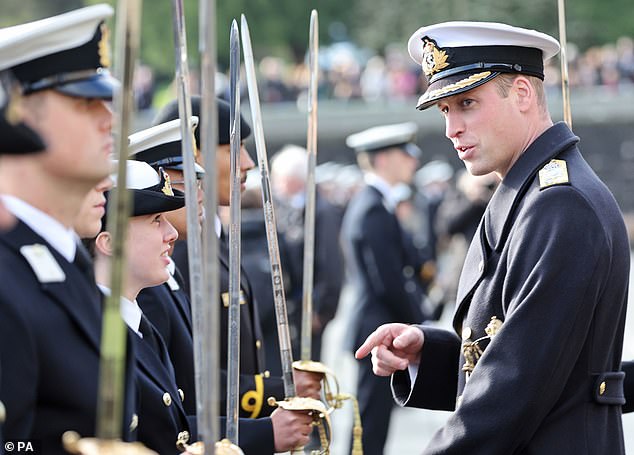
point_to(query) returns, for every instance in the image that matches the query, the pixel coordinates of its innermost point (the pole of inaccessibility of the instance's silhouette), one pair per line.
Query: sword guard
(300, 404)
(316, 408)
(73, 443)
(331, 394)
(226, 447)
(312, 366)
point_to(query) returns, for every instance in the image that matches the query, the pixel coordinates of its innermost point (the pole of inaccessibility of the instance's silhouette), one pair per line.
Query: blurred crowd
(348, 72)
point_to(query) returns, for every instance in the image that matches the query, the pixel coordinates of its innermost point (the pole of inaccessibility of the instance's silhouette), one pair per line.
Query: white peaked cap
(380, 137)
(25, 42)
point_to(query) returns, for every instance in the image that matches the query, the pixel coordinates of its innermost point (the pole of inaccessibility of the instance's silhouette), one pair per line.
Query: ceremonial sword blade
(194, 242)
(269, 216)
(233, 359)
(309, 216)
(207, 318)
(113, 334)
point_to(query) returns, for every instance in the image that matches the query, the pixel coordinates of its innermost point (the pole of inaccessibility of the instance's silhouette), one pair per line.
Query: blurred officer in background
(385, 282)
(288, 179)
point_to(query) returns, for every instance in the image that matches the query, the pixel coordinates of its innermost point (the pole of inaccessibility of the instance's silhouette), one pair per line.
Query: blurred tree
(17, 11)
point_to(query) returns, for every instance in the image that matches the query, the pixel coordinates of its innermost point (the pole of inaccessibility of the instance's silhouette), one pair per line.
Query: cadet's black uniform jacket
(49, 347)
(169, 311)
(552, 264)
(164, 404)
(256, 385)
(161, 415)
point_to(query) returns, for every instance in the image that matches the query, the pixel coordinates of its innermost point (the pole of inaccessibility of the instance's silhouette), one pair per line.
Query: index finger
(373, 340)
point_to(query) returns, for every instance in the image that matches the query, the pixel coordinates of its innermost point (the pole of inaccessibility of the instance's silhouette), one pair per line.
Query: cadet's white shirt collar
(384, 188)
(63, 239)
(171, 267)
(130, 311)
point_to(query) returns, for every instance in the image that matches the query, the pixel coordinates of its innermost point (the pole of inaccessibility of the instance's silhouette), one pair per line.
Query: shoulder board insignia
(555, 172)
(43, 263)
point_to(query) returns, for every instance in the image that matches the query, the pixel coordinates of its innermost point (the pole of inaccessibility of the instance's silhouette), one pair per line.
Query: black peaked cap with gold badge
(459, 56)
(16, 138)
(68, 53)
(161, 147)
(170, 112)
(151, 190)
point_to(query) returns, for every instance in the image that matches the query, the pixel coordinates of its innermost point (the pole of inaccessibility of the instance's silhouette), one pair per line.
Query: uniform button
(267, 374)
(258, 344)
(182, 394)
(602, 388)
(480, 266)
(167, 399)
(134, 422)
(466, 333)
(3, 412)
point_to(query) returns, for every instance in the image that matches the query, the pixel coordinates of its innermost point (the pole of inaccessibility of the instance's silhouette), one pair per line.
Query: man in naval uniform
(280, 430)
(17, 138)
(49, 302)
(532, 366)
(379, 255)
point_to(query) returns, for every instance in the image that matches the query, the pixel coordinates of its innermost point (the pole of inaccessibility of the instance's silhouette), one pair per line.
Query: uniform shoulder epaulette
(43, 263)
(555, 172)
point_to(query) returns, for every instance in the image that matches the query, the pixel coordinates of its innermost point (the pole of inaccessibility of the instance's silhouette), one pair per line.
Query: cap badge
(14, 113)
(104, 46)
(167, 187)
(434, 59)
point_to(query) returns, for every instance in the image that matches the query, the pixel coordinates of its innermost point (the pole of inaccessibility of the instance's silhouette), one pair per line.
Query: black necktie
(84, 263)
(147, 330)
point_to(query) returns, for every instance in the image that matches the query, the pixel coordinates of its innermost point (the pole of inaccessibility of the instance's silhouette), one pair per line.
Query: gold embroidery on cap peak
(453, 87)
(104, 47)
(434, 59)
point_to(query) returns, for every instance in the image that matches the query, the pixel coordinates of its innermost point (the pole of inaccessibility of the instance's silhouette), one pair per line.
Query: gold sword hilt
(73, 443)
(316, 409)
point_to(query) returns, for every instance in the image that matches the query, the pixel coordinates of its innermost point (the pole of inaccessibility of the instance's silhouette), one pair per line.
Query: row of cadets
(283, 429)
(50, 328)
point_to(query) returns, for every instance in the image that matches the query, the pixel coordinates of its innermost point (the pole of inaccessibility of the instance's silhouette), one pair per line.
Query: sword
(233, 358)
(113, 336)
(207, 318)
(565, 88)
(291, 401)
(309, 217)
(333, 399)
(269, 217)
(194, 241)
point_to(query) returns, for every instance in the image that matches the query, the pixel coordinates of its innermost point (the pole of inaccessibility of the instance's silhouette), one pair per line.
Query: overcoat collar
(499, 212)
(499, 215)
